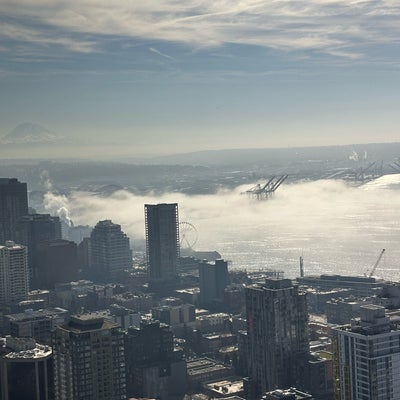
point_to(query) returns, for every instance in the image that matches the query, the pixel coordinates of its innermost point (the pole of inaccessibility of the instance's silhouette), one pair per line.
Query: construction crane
(377, 263)
(395, 165)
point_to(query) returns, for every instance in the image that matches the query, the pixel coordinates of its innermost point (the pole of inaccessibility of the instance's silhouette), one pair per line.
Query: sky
(169, 76)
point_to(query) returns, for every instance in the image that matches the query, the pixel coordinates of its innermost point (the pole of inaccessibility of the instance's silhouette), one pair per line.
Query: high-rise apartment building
(367, 357)
(110, 251)
(162, 243)
(14, 275)
(13, 204)
(277, 335)
(89, 360)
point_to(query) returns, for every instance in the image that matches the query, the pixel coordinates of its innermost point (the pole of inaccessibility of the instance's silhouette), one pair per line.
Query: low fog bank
(338, 228)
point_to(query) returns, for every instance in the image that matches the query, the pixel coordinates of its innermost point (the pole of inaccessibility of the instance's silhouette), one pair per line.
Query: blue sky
(170, 76)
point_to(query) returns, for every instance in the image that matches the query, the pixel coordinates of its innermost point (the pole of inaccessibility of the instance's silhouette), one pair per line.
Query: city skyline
(170, 77)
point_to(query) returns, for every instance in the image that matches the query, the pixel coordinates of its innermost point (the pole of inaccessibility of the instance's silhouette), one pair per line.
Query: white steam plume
(55, 204)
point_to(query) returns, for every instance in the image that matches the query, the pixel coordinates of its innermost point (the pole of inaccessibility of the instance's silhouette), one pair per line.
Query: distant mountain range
(30, 133)
(353, 154)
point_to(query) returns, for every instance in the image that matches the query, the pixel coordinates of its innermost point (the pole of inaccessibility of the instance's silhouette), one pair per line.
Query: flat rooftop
(203, 365)
(36, 314)
(88, 322)
(25, 349)
(225, 386)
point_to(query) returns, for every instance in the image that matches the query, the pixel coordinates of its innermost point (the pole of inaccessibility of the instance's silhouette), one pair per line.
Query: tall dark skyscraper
(57, 261)
(213, 281)
(162, 243)
(149, 354)
(13, 204)
(32, 230)
(26, 370)
(110, 251)
(277, 335)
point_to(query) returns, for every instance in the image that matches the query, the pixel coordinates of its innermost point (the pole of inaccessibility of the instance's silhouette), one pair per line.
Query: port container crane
(377, 263)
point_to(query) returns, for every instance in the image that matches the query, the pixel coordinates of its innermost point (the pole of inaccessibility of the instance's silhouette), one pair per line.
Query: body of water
(336, 227)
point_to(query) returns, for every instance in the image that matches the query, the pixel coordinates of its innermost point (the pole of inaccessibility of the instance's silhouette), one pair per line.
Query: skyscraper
(367, 357)
(276, 334)
(213, 281)
(110, 251)
(154, 368)
(57, 263)
(32, 230)
(13, 204)
(162, 243)
(26, 370)
(89, 360)
(14, 277)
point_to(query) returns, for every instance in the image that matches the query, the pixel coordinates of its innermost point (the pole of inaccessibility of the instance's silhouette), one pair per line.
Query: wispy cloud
(341, 28)
(17, 32)
(153, 50)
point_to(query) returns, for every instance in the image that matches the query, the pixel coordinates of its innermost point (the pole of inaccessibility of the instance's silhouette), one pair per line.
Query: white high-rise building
(367, 357)
(110, 252)
(14, 274)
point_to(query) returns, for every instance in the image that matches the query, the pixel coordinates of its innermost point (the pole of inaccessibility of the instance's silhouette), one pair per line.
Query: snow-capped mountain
(28, 132)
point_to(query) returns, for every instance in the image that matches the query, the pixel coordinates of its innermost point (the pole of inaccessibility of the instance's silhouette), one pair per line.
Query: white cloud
(336, 225)
(300, 207)
(21, 33)
(341, 28)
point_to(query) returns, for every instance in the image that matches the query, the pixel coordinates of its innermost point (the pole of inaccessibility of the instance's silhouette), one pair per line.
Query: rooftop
(289, 394)
(12, 245)
(88, 322)
(225, 386)
(203, 365)
(26, 349)
(30, 314)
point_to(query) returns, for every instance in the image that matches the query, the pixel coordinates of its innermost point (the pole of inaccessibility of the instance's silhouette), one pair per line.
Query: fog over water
(338, 228)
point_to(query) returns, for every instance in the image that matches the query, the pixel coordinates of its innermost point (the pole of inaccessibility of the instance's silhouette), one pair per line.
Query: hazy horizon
(71, 151)
(170, 77)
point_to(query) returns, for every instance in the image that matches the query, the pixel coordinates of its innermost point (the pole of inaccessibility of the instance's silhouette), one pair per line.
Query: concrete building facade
(162, 243)
(13, 205)
(110, 251)
(26, 369)
(37, 324)
(57, 263)
(277, 335)
(14, 274)
(89, 359)
(367, 357)
(32, 230)
(154, 368)
(213, 281)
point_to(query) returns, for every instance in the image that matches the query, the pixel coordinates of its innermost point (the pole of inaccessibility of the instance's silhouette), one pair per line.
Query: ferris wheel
(187, 235)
